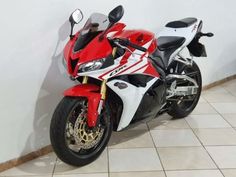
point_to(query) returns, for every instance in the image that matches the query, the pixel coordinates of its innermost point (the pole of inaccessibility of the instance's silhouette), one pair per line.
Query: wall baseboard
(18, 161)
(45, 150)
(219, 82)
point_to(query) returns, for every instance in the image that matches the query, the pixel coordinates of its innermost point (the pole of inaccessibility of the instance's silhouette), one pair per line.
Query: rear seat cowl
(184, 23)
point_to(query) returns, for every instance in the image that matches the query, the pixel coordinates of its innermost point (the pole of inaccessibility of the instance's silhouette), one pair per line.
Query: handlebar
(127, 43)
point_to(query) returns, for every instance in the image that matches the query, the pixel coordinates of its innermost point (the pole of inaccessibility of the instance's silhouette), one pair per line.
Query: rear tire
(179, 111)
(58, 136)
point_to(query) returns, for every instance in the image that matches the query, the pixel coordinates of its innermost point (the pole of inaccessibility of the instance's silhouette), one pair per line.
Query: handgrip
(209, 34)
(200, 34)
(126, 42)
(137, 47)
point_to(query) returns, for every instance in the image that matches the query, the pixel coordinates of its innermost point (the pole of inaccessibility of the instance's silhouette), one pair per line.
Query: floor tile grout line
(199, 169)
(137, 171)
(54, 166)
(157, 152)
(76, 173)
(108, 162)
(165, 147)
(220, 114)
(208, 152)
(228, 91)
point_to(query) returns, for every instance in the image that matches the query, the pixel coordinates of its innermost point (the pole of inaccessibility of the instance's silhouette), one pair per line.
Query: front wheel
(72, 140)
(183, 106)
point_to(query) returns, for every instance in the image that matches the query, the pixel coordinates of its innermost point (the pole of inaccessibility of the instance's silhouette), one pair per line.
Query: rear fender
(91, 92)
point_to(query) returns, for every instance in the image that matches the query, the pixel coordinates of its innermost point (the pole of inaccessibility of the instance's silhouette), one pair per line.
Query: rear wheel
(72, 140)
(183, 106)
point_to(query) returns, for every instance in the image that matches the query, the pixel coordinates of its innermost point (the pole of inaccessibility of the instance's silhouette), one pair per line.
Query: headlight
(91, 66)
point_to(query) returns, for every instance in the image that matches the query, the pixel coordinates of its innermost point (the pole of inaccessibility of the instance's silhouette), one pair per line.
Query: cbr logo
(117, 70)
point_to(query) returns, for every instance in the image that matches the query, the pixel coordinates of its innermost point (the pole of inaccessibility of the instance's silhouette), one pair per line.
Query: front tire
(180, 109)
(69, 151)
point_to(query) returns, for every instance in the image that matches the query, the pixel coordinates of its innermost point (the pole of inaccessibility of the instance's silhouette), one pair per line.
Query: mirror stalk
(71, 30)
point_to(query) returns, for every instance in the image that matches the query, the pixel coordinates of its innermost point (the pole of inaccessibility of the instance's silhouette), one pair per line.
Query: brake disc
(84, 137)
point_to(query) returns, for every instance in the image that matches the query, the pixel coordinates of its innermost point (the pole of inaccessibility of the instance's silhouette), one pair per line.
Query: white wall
(32, 36)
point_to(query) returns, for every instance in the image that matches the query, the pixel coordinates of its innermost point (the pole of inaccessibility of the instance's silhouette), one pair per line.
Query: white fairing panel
(188, 33)
(131, 97)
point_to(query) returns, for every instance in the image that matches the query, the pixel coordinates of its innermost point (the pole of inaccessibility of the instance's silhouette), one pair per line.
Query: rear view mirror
(76, 16)
(116, 14)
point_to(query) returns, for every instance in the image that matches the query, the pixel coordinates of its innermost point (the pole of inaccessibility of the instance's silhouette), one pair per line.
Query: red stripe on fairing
(150, 70)
(100, 77)
(141, 59)
(139, 68)
(130, 67)
(123, 61)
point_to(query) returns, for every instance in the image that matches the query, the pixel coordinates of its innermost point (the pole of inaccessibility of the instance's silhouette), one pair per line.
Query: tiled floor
(201, 145)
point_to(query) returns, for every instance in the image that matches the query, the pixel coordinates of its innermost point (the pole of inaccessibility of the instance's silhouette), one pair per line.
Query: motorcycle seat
(169, 42)
(184, 23)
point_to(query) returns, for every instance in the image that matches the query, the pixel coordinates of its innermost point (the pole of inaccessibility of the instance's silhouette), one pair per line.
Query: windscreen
(95, 24)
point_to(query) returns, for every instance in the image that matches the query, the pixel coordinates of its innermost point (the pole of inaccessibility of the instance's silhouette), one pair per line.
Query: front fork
(103, 91)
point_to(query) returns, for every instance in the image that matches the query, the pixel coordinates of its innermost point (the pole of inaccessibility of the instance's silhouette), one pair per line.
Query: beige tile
(204, 108)
(224, 156)
(230, 83)
(202, 100)
(138, 126)
(194, 173)
(231, 118)
(41, 166)
(229, 172)
(173, 138)
(131, 139)
(230, 87)
(216, 90)
(226, 136)
(185, 158)
(28, 176)
(207, 121)
(139, 174)
(166, 122)
(219, 97)
(99, 165)
(232, 91)
(83, 175)
(225, 108)
(139, 159)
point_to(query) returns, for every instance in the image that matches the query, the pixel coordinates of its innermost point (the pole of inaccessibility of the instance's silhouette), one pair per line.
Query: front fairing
(95, 49)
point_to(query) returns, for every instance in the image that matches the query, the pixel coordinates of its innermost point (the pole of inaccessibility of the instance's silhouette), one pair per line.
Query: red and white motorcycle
(125, 76)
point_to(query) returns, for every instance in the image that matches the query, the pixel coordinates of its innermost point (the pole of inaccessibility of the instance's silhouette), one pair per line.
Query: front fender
(91, 92)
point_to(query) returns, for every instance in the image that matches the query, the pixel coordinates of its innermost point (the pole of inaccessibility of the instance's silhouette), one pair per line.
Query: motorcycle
(124, 76)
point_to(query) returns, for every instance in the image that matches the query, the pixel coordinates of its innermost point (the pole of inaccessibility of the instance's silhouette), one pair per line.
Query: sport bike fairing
(132, 62)
(136, 63)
